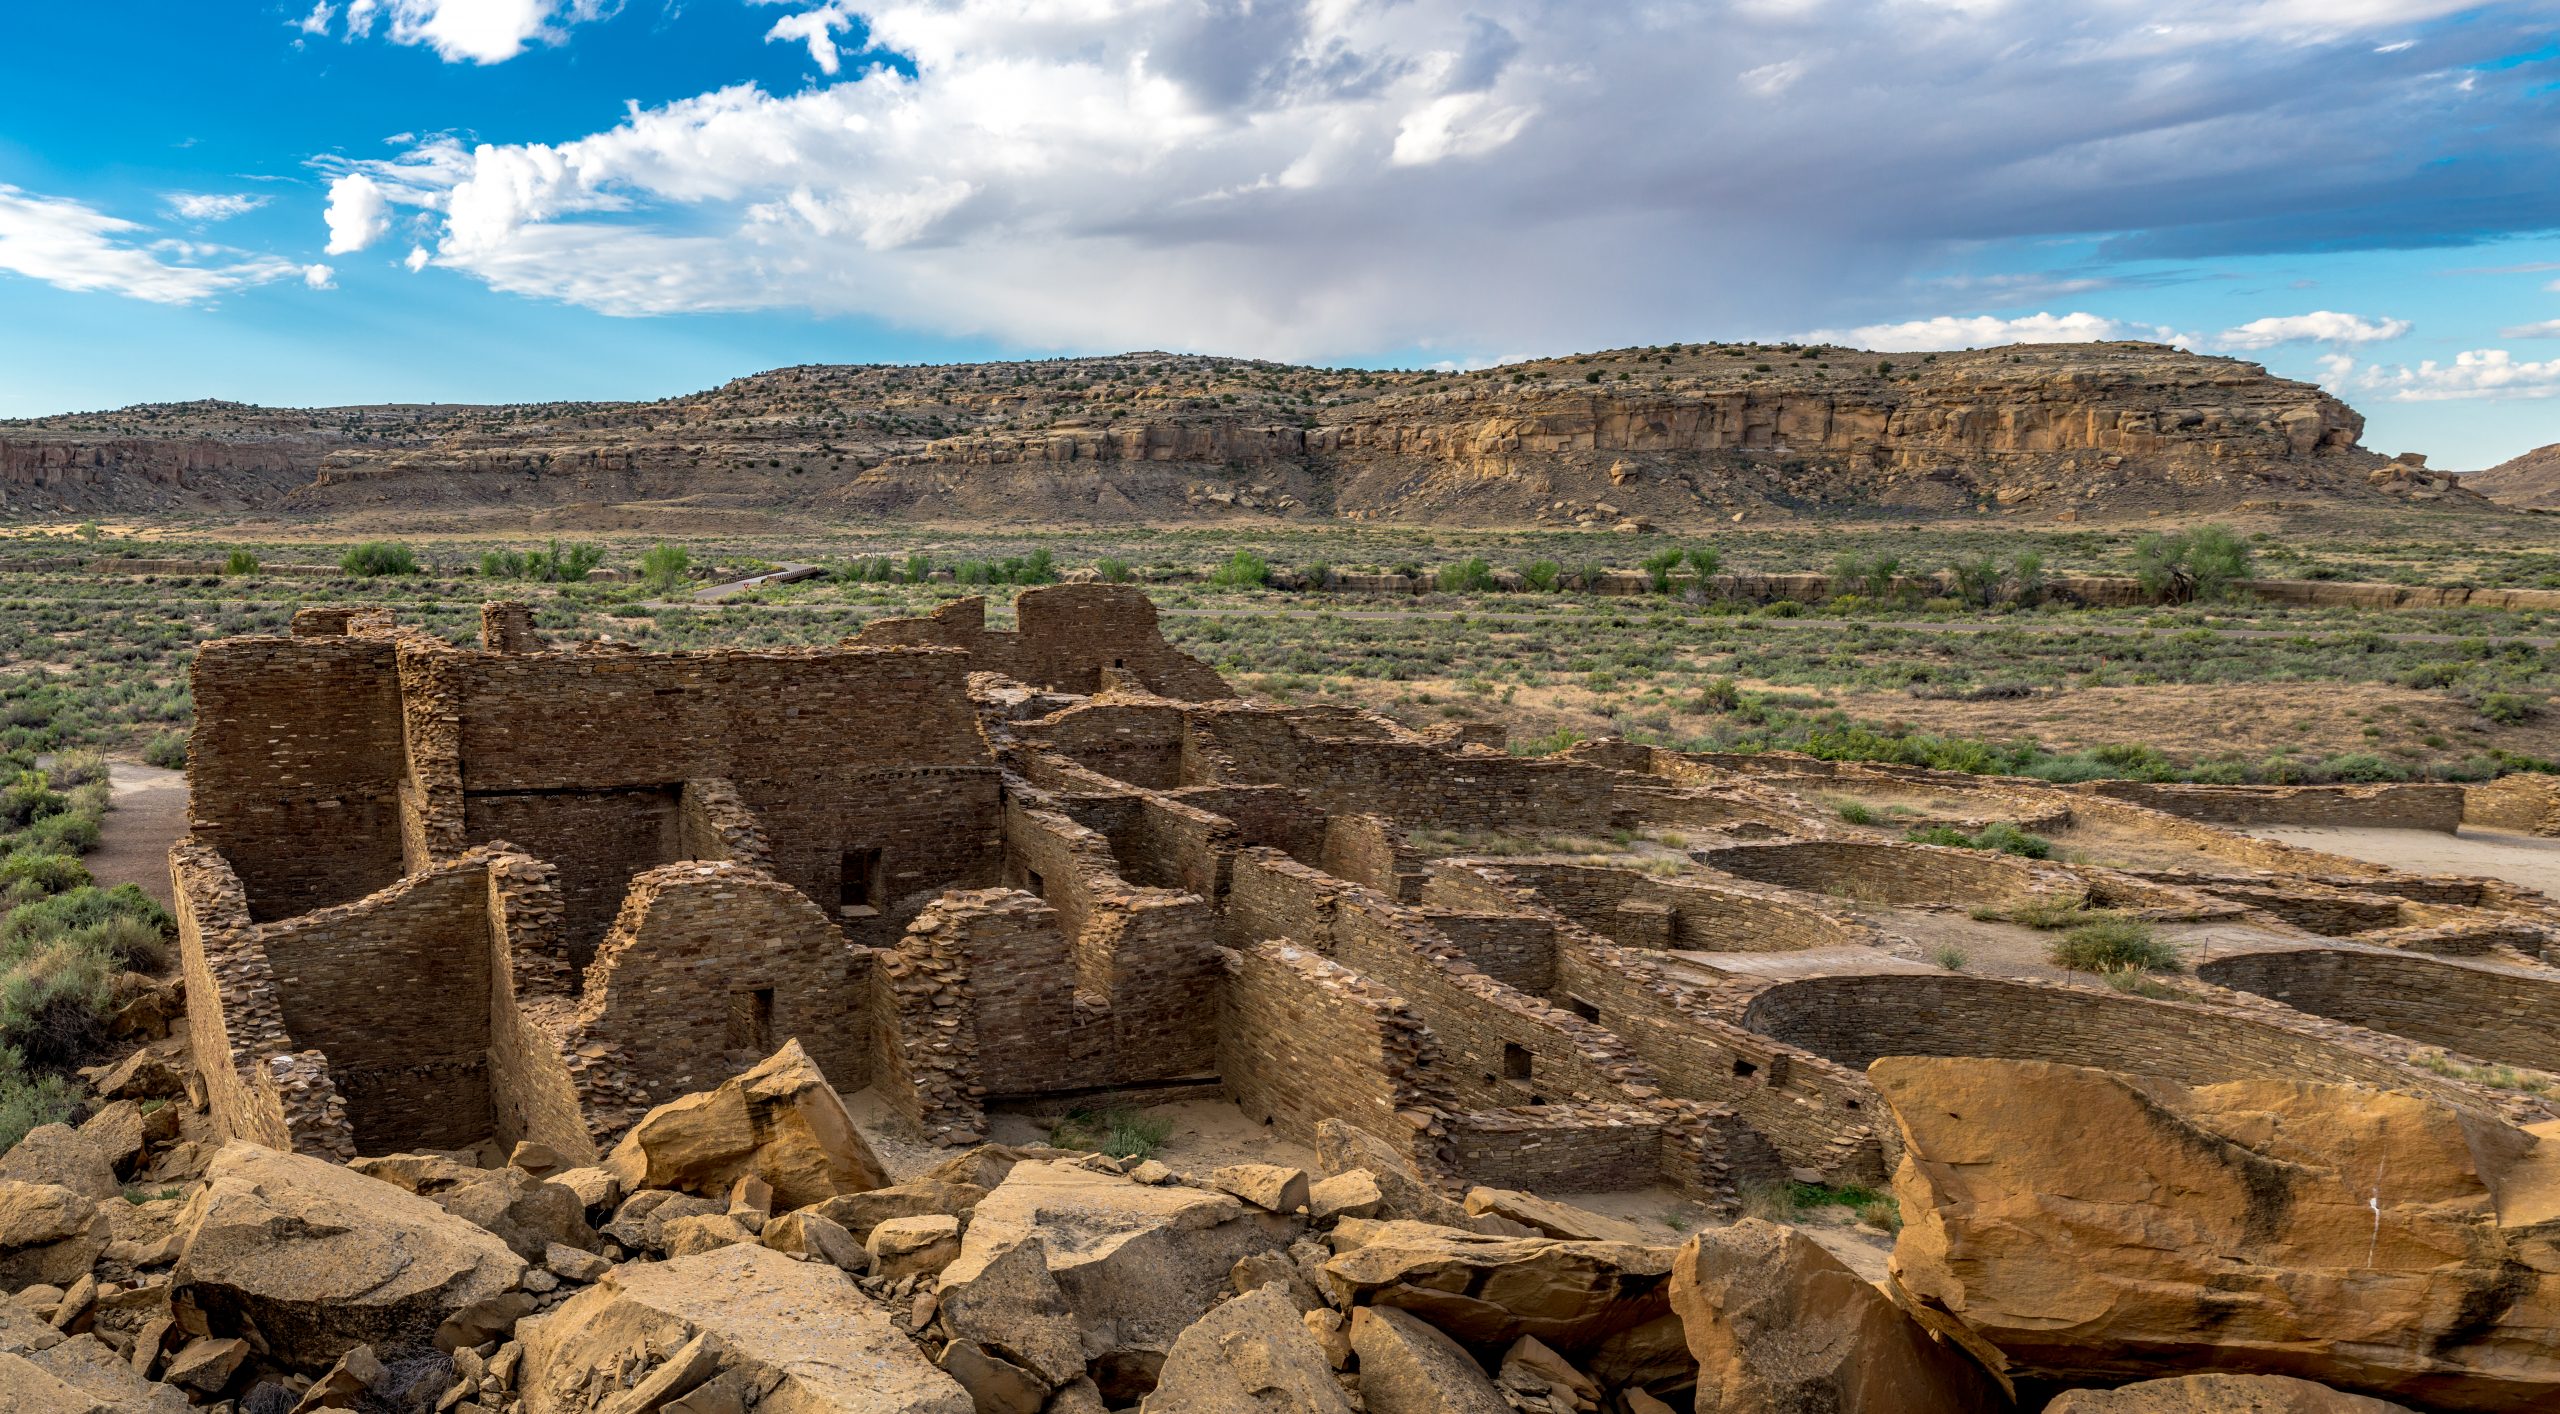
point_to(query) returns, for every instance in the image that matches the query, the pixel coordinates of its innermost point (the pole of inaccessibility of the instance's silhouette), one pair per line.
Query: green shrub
(1949, 957)
(28, 1100)
(1659, 567)
(1869, 575)
(1542, 575)
(1977, 580)
(1704, 561)
(1468, 576)
(1113, 571)
(1120, 1132)
(1857, 814)
(240, 562)
(2026, 577)
(2009, 839)
(53, 1001)
(1243, 570)
(77, 909)
(1947, 835)
(376, 558)
(29, 798)
(49, 872)
(2113, 945)
(664, 565)
(2204, 563)
(2509, 708)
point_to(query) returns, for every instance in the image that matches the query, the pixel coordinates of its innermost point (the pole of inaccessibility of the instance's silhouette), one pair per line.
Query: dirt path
(2041, 627)
(2530, 860)
(148, 813)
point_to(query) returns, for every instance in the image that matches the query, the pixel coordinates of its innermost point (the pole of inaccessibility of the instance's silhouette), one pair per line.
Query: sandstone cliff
(1681, 434)
(2531, 480)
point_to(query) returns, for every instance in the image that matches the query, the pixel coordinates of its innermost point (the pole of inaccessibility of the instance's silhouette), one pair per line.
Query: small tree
(376, 558)
(89, 530)
(240, 562)
(2203, 563)
(1468, 576)
(1977, 580)
(1659, 567)
(1542, 575)
(664, 565)
(1243, 570)
(1704, 562)
(919, 569)
(2026, 577)
(1113, 571)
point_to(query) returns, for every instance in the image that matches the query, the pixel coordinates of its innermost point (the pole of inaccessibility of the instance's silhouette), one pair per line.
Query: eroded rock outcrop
(2080, 1225)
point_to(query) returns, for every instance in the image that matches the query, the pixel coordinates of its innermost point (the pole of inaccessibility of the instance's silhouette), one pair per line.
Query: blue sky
(502, 200)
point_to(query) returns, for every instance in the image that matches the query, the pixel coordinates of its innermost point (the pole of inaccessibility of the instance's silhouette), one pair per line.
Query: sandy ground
(2530, 860)
(147, 813)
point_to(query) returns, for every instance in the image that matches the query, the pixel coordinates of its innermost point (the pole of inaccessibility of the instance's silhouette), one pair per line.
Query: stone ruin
(439, 895)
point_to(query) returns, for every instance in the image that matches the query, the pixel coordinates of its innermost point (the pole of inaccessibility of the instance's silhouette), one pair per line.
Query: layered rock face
(1688, 433)
(2531, 480)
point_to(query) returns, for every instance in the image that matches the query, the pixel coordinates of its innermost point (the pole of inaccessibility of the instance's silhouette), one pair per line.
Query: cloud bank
(1302, 178)
(73, 246)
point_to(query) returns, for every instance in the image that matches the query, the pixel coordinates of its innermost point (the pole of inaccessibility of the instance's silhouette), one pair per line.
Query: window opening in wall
(1033, 883)
(1516, 1063)
(751, 1020)
(1581, 1008)
(1119, 662)
(858, 885)
(1744, 1068)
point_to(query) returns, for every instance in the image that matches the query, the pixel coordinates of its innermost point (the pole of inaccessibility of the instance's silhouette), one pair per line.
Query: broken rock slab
(1135, 1265)
(787, 1337)
(2221, 1394)
(1408, 1366)
(1778, 1324)
(1402, 1193)
(306, 1259)
(2084, 1226)
(48, 1234)
(780, 1121)
(1253, 1355)
(1605, 1305)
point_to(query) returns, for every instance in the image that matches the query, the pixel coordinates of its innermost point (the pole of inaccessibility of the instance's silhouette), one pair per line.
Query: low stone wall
(1700, 917)
(235, 1024)
(2527, 802)
(2493, 1014)
(2392, 807)
(1896, 873)
(1513, 949)
(1560, 1148)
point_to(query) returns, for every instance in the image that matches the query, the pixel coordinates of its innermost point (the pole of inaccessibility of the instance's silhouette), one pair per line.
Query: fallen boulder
(1253, 1355)
(1607, 1305)
(1402, 1193)
(780, 1121)
(2082, 1226)
(48, 1234)
(2221, 1394)
(306, 1259)
(1778, 1324)
(744, 1327)
(1134, 1264)
(1407, 1366)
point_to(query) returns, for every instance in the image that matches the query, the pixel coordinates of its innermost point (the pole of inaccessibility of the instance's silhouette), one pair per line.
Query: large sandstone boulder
(48, 1234)
(1134, 1264)
(529, 1214)
(1606, 1305)
(742, 1328)
(781, 1121)
(1343, 1149)
(63, 1156)
(1253, 1355)
(1408, 1367)
(307, 1259)
(1778, 1324)
(2221, 1394)
(2085, 1226)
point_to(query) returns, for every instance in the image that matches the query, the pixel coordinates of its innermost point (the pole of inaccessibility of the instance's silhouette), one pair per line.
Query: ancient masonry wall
(532, 1087)
(2394, 807)
(1369, 850)
(294, 767)
(925, 1022)
(2527, 802)
(1132, 743)
(374, 985)
(1301, 1039)
(1854, 1019)
(2478, 1011)
(235, 1024)
(1895, 873)
(1700, 917)
(1275, 816)
(1070, 635)
(1411, 782)
(1518, 950)
(711, 966)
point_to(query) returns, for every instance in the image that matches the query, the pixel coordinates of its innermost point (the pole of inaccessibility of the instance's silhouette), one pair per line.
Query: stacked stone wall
(1895, 873)
(1517, 950)
(2527, 802)
(1069, 636)
(1561, 1148)
(1703, 917)
(294, 767)
(1301, 1039)
(2415, 806)
(2491, 1013)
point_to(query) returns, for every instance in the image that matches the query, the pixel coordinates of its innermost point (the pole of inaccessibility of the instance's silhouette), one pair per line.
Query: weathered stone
(1345, 1195)
(703, 1232)
(1007, 1299)
(48, 1233)
(573, 1263)
(1605, 1304)
(1270, 1187)
(1778, 1324)
(1252, 1355)
(2081, 1225)
(2220, 1394)
(118, 1134)
(858, 1213)
(87, 1364)
(144, 1075)
(1343, 1148)
(781, 1121)
(529, 1214)
(1407, 1366)
(985, 1165)
(995, 1384)
(1544, 1217)
(801, 1331)
(62, 1156)
(206, 1365)
(598, 1190)
(26, 1388)
(805, 1232)
(917, 1246)
(306, 1259)
(357, 1373)
(1135, 1264)
(1256, 1270)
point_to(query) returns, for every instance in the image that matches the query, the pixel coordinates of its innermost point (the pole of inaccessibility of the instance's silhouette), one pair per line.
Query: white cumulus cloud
(2319, 327)
(319, 277)
(2547, 329)
(1301, 178)
(204, 206)
(2475, 373)
(359, 213)
(74, 246)
(1979, 331)
(462, 31)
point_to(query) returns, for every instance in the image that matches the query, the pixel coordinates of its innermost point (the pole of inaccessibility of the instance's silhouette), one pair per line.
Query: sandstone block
(1253, 1355)
(48, 1233)
(1266, 1186)
(913, 1246)
(780, 1121)
(2220, 1394)
(1407, 1366)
